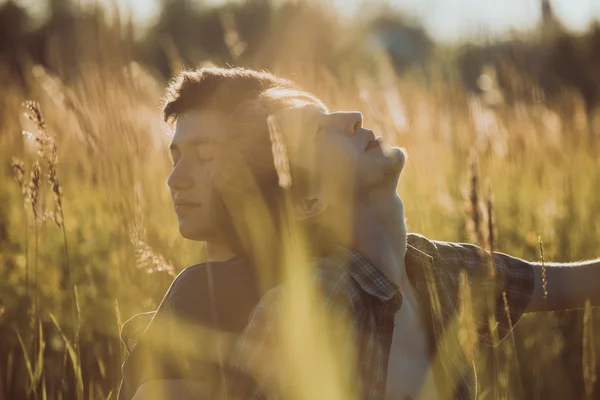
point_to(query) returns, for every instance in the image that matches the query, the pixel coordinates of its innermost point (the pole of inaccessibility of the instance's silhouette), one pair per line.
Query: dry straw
(46, 151)
(146, 258)
(18, 172)
(475, 220)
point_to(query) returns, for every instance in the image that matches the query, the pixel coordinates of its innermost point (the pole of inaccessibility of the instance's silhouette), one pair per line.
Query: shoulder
(327, 275)
(203, 275)
(330, 268)
(333, 287)
(448, 254)
(215, 294)
(134, 327)
(464, 255)
(219, 295)
(422, 243)
(439, 248)
(331, 276)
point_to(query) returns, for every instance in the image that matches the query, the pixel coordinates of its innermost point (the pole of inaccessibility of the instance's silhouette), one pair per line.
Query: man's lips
(182, 209)
(373, 143)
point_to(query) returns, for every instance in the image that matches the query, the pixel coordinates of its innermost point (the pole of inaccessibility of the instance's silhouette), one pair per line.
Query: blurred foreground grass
(122, 238)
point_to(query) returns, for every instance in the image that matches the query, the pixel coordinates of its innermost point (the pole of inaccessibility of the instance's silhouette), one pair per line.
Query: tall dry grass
(111, 246)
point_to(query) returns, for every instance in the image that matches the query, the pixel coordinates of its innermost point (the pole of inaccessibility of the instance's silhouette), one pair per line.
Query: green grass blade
(73, 356)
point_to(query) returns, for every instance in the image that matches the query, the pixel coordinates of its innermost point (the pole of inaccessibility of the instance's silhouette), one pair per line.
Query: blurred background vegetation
(526, 104)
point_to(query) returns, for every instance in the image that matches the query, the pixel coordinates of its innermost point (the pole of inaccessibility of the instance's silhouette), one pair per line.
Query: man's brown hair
(216, 89)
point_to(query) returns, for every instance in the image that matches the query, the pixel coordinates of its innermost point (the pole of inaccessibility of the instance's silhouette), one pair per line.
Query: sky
(446, 20)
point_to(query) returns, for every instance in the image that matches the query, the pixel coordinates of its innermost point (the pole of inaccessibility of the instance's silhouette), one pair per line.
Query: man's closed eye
(205, 153)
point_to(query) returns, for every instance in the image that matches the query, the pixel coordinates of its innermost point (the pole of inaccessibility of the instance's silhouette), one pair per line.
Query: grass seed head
(34, 114)
(34, 187)
(18, 172)
(474, 226)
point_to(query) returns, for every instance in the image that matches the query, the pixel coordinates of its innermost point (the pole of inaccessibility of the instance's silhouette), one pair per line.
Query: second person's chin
(397, 158)
(391, 167)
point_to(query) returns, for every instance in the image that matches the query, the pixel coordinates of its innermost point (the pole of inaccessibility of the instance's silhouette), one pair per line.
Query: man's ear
(308, 207)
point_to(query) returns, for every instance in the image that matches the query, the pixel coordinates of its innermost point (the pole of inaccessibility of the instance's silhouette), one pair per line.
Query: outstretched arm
(174, 389)
(567, 286)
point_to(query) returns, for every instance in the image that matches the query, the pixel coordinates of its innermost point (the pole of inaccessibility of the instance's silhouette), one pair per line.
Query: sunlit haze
(446, 20)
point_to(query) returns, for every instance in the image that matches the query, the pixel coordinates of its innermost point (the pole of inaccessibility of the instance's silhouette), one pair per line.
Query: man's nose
(179, 178)
(351, 121)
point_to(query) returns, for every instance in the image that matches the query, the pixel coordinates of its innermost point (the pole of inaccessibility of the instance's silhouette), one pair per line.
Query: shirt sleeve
(501, 285)
(512, 296)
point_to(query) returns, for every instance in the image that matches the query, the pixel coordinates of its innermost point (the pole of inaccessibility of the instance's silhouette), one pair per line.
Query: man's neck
(379, 232)
(386, 218)
(218, 252)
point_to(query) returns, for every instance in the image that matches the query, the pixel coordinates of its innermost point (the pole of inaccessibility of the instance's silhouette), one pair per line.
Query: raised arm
(567, 286)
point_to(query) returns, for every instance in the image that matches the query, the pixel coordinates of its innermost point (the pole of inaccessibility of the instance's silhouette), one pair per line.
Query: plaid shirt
(350, 282)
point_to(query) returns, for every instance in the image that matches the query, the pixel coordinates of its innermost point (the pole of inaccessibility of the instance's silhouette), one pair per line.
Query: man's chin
(194, 233)
(191, 236)
(396, 157)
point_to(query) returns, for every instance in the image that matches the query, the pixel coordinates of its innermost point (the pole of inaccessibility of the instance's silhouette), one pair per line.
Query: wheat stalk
(475, 226)
(18, 172)
(47, 150)
(34, 190)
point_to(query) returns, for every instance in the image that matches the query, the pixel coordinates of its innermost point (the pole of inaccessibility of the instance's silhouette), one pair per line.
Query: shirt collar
(372, 280)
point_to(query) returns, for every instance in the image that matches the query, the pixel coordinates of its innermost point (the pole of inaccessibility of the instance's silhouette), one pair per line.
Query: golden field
(112, 242)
